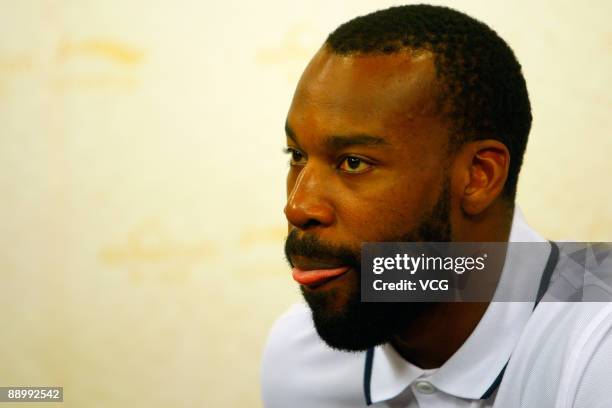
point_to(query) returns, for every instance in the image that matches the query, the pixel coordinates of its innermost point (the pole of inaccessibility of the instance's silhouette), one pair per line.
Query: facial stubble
(359, 325)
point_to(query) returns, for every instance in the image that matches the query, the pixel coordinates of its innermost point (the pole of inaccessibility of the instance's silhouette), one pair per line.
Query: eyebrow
(337, 142)
(289, 132)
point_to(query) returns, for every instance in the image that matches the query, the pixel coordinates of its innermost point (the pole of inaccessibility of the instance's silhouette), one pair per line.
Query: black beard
(360, 326)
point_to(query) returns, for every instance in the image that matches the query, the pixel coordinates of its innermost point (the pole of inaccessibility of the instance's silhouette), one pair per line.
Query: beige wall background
(142, 180)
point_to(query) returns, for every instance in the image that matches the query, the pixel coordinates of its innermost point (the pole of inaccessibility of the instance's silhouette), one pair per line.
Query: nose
(307, 205)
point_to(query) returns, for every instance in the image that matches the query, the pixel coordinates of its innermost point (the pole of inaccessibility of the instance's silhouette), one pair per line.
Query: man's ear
(482, 167)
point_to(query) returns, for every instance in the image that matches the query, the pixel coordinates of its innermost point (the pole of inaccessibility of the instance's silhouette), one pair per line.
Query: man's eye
(297, 158)
(352, 164)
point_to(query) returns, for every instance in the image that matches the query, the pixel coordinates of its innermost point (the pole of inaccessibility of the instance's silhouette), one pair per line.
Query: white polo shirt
(559, 355)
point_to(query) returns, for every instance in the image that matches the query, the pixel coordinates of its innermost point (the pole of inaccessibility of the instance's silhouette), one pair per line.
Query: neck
(438, 332)
(433, 337)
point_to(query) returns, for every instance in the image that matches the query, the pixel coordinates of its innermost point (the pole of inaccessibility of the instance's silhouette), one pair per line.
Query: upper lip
(307, 264)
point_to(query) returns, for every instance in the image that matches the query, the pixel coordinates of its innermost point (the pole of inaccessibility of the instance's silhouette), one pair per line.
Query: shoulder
(587, 376)
(292, 333)
(560, 344)
(296, 361)
(297, 316)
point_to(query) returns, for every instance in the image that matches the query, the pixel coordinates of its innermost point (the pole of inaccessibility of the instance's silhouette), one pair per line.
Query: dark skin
(369, 152)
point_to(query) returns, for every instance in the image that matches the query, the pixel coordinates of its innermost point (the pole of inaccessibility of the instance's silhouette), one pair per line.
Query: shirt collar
(474, 367)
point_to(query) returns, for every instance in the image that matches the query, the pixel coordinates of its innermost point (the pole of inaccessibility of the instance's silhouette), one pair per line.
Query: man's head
(409, 124)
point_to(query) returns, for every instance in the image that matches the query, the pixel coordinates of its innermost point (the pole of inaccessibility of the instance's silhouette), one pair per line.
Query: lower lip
(317, 276)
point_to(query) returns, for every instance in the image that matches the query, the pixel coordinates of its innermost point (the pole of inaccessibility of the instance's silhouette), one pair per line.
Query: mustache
(310, 246)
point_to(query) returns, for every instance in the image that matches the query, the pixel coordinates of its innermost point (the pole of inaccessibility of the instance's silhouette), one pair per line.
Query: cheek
(384, 212)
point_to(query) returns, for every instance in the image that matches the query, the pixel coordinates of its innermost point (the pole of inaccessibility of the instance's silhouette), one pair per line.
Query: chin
(357, 326)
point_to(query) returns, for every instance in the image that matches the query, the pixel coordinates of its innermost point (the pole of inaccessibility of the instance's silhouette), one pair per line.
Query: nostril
(311, 223)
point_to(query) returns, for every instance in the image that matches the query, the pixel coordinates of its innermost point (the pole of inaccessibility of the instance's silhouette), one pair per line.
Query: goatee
(358, 326)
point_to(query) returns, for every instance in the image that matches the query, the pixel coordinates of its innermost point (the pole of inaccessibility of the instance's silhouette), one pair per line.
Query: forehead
(386, 93)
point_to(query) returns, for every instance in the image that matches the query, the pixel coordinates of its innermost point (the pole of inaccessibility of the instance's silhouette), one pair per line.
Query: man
(410, 124)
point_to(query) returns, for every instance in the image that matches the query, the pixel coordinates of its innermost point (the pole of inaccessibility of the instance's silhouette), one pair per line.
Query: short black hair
(484, 88)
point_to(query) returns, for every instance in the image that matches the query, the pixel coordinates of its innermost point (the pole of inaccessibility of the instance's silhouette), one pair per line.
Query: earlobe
(487, 171)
